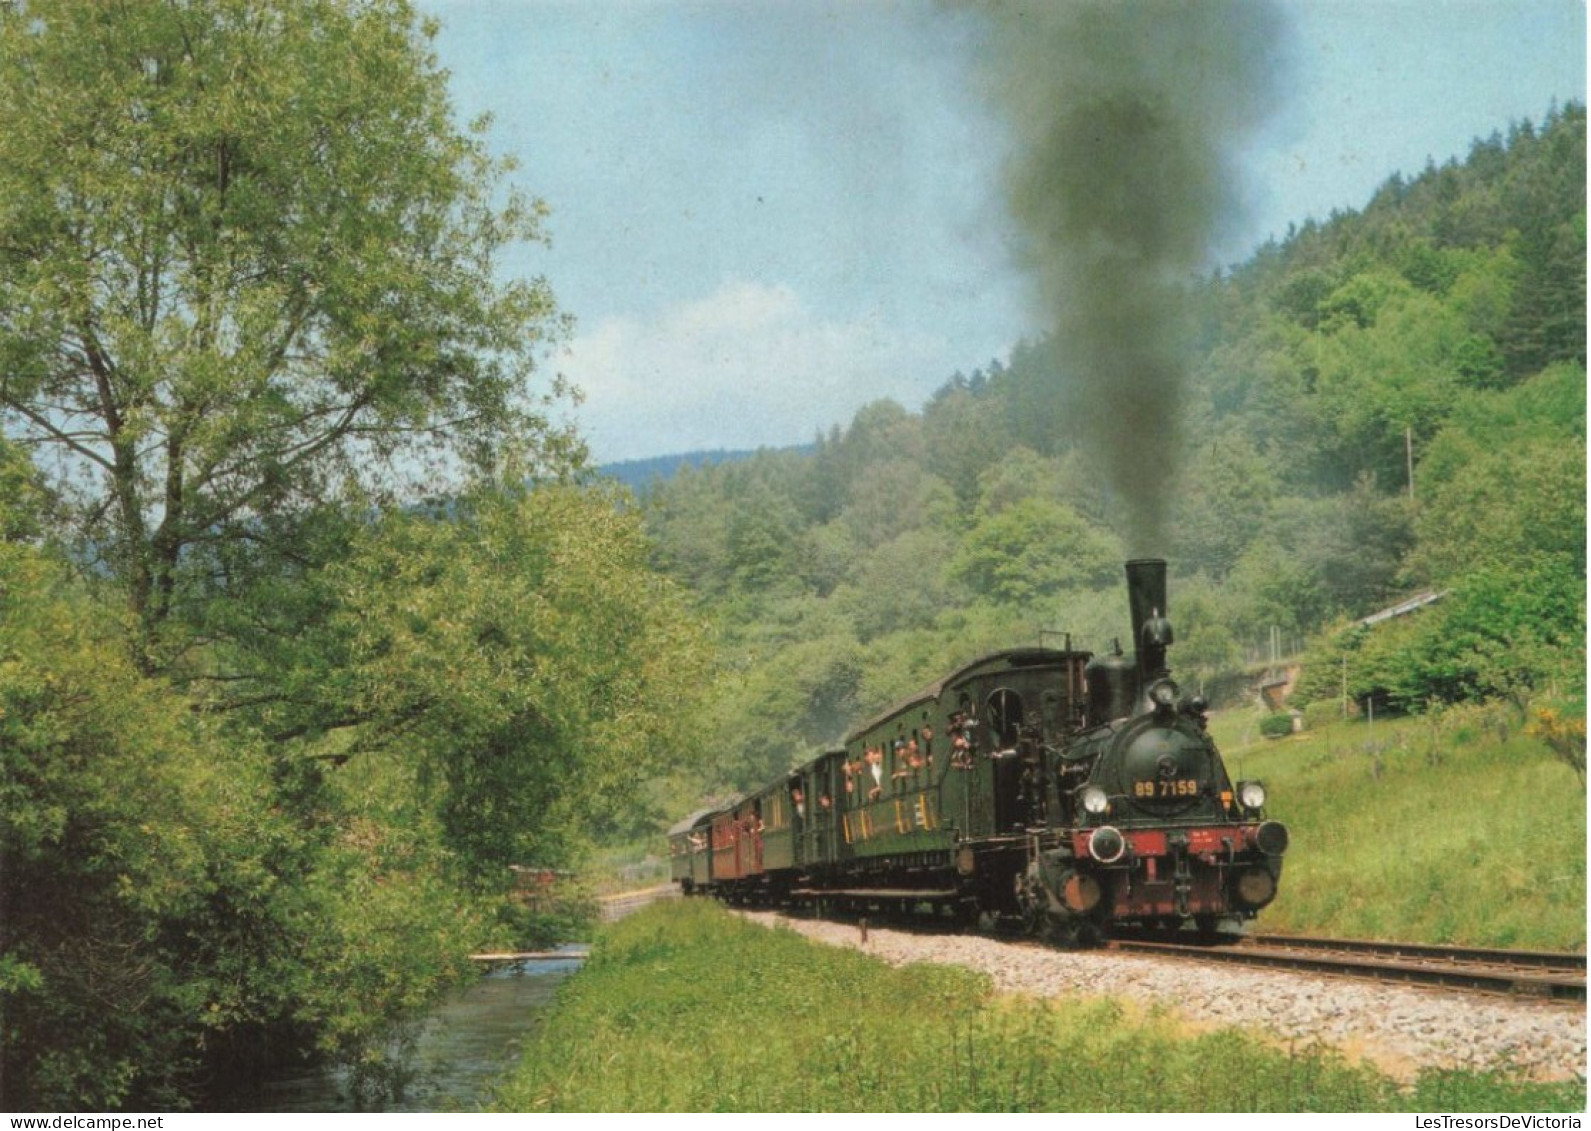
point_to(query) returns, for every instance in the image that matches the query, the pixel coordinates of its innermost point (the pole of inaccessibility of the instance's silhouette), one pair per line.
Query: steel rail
(1392, 962)
(1524, 959)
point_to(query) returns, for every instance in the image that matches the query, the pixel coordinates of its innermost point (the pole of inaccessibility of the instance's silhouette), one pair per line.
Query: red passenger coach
(726, 847)
(749, 854)
(737, 843)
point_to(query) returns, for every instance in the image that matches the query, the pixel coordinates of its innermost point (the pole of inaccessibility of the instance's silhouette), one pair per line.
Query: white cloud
(750, 365)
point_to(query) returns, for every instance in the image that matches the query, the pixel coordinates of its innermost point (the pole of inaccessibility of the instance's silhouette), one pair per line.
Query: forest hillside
(1386, 403)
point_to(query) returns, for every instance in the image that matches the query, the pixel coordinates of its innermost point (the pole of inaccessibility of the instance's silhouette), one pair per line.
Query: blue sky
(767, 214)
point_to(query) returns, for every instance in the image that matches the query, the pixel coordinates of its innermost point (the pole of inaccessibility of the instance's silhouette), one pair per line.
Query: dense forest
(1387, 402)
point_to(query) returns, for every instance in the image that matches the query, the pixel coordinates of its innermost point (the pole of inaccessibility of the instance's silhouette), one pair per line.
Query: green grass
(685, 1008)
(1456, 830)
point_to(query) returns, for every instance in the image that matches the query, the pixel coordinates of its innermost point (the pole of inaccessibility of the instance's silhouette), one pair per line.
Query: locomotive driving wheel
(1032, 901)
(1043, 918)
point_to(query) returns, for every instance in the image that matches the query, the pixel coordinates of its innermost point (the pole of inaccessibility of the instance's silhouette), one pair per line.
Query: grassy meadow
(683, 1007)
(1453, 828)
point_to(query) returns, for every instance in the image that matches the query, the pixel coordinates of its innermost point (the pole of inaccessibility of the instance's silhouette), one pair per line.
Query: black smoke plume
(1126, 120)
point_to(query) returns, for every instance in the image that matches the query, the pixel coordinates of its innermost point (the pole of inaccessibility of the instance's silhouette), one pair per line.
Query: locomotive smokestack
(1151, 631)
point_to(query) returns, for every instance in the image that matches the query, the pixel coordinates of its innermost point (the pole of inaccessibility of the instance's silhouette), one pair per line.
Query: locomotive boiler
(1042, 789)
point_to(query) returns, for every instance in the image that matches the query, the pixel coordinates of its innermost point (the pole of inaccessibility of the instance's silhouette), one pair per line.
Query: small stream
(470, 1039)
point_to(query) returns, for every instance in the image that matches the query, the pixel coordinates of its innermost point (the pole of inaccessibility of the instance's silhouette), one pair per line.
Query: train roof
(1010, 657)
(690, 822)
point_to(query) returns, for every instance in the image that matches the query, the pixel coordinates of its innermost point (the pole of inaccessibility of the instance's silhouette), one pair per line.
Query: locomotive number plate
(1156, 789)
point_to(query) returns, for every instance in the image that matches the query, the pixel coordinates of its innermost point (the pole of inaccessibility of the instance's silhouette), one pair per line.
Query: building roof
(1403, 608)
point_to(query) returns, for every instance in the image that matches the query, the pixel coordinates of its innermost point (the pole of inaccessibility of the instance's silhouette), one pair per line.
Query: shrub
(1565, 736)
(1323, 712)
(1279, 725)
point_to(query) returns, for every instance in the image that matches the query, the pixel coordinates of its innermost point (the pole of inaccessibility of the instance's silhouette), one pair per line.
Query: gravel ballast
(1399, 1029)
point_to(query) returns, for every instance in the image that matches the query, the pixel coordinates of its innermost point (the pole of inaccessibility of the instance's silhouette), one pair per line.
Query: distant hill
(637, 474)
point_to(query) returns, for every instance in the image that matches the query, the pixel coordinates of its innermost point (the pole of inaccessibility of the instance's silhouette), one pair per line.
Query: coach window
(1005, 717)
(1054, 713)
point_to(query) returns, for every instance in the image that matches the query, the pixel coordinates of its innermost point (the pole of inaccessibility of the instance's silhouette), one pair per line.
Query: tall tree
(522, 656)
(246, 262)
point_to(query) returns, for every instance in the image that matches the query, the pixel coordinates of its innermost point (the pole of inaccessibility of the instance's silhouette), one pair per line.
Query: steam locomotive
(1040, 789)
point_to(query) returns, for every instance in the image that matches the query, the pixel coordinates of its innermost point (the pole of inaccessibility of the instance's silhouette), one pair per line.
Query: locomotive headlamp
(1095, 800)
(1163, 694)
(1251, 794)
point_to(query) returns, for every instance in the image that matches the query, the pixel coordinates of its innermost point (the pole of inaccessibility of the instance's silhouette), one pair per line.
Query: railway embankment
(1402, 1030)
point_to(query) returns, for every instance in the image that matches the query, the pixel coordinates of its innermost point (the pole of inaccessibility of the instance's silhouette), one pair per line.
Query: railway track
(1520, 973)
(1527, 974)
